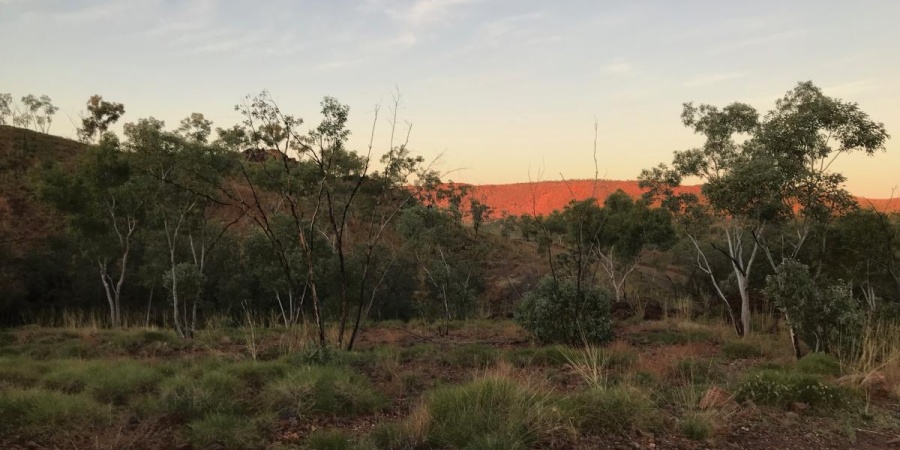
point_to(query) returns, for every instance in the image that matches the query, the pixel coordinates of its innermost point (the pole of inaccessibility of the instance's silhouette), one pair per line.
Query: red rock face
(541, 198)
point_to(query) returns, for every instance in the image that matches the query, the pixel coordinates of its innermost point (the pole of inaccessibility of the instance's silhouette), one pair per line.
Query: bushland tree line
(273, 214)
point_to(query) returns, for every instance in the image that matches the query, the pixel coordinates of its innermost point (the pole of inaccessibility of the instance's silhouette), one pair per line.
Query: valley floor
(673, 383)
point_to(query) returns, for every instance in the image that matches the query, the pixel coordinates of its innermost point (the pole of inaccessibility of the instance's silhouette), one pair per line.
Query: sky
(498, 91)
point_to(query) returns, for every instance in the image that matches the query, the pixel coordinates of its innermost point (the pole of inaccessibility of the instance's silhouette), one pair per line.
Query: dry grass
(877, 355)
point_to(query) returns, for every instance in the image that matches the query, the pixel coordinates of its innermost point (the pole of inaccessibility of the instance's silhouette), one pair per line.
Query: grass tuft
(223, 429)
(614, 409)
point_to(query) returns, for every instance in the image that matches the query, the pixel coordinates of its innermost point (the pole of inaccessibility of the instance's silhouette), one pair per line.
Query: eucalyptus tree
(104, 205)
(316, 180)
(618, 234)
(6, 103)
(101, 114)
(181, 176)
(759, 172)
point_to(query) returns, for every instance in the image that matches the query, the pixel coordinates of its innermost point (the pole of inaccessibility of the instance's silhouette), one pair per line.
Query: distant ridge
(545, 196)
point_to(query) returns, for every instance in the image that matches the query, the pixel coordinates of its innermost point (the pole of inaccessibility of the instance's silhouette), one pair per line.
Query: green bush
(322, 390)
(741, 350)
(825, 317)
(228, 430)
(781, 388)
(819, 364)
(555, 312)
(615, 409)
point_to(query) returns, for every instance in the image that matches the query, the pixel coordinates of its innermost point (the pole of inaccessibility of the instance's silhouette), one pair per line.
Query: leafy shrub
(555, 312)
(781, 388)
(741, 350)
(824, 317)
(228, 430)
(613, 409)
(819, 364)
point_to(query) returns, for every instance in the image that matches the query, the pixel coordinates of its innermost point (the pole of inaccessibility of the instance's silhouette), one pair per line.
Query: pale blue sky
(498, 86)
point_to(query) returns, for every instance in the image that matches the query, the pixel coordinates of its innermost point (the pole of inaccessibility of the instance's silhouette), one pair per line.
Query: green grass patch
(21, 372)
(694, 370)
(416, 352)
(668, 336)
(551, 355)
(114, 382)
(191, 398)
(819, 364)
(736, 349)
(615, 409)
(225, 430)
(696, 426)
(490, 413)
(330, 440)
(43, 412)
(7, 338)
(469, 355)
(322, 390)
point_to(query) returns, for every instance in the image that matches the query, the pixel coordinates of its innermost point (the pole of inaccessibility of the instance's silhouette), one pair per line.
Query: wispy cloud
(417, 13)
(853, 87)
(229, 45)
(339, 64)
(93, 12)
(708, 79)
(755, 41)
(502, 27)
(619, 68)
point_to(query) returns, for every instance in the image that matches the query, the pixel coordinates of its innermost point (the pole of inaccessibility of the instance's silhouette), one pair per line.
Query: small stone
(809, 436)
(791, 415)
(798, 407)
(716, 397)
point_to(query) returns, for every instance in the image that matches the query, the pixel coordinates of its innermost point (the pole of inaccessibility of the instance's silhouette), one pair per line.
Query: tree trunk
(743, 287)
